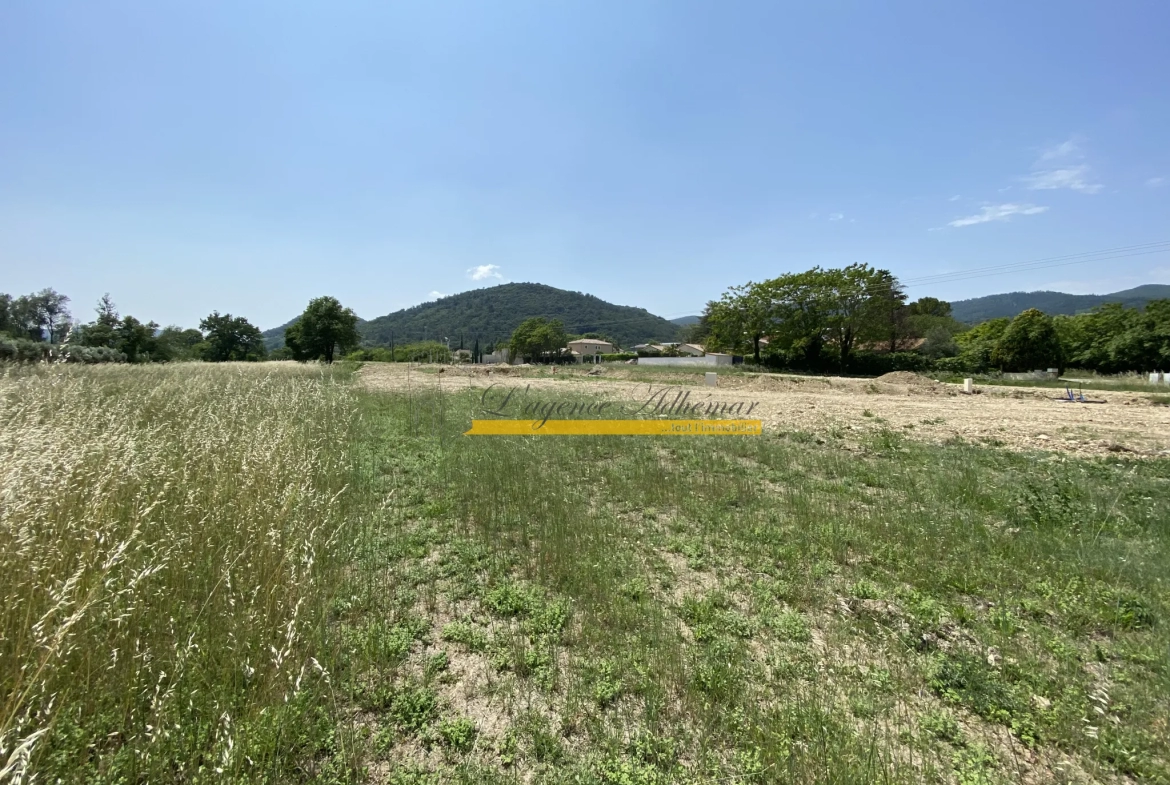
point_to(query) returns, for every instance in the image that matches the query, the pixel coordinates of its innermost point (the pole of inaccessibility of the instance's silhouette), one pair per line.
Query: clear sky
(247, 156)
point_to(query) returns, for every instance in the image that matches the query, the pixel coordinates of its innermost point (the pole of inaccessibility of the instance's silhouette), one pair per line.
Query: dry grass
(164, 535)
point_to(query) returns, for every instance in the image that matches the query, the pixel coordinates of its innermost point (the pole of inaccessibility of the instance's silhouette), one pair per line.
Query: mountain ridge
(1009, 304)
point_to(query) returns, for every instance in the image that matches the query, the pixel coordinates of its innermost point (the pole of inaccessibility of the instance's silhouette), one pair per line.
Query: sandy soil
(1021, 418)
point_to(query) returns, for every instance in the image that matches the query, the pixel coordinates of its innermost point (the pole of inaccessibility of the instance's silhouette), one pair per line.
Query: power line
(1041, 264)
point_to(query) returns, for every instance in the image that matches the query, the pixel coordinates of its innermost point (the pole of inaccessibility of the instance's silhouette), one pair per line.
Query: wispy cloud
(484, 271)
(1057, 168)
(997, 212)
(954, 198)
(1154, 182)
(836, 216)
(1066, 149)
(1074, 178)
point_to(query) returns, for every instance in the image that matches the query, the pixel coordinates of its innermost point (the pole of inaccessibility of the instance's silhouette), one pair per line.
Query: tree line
(39, 327)
(857, 319)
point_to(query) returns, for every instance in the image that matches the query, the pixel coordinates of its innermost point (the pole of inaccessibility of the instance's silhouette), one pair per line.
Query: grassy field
(268, 573)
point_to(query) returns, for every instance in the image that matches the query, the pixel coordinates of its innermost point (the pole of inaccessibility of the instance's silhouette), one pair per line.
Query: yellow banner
(615, 428)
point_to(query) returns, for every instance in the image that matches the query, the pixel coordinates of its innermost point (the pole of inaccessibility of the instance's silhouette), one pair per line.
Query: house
(587, 347)
(498, 356)
(691, 349)
(648, 348)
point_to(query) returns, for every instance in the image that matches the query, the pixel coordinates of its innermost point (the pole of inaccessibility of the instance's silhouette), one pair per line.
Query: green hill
(492, 314)
(993, 306)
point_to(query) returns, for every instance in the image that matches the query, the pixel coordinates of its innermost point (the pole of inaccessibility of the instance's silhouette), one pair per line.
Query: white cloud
(1072, 177)
(1154, 182)
(436, 295)
(997, 212)
(484, 271)
(954, 198)
(1056, 168)
(836, 216)
(1067, 149)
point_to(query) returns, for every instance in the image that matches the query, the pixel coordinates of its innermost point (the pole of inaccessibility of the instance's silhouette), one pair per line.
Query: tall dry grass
(167, 541)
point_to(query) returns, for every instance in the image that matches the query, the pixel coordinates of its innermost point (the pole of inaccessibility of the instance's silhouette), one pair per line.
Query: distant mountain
(683, 321)
(492, 314)
(993, 306)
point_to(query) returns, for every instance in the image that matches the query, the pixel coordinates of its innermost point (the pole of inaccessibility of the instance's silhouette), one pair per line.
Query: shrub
(23, 350)
(89, 354)
(874, 364)
(618, 357)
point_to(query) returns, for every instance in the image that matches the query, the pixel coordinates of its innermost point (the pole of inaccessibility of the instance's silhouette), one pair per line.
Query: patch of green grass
(458, 734)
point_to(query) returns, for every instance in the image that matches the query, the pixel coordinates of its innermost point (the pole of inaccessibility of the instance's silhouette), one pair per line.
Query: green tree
(137, 340)
(537, 336)
(939, 343)
(861, 305)
(929, 306)
(324, 330)
(230, 337)
(175, 343)
(43, 316)
(103, 331)
(741, 319)
(1029, 343)
(977, 344)
(6, 324)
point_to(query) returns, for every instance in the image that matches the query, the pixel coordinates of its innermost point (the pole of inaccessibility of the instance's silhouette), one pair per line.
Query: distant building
(498, 356)
(692, 349)
(587, 347)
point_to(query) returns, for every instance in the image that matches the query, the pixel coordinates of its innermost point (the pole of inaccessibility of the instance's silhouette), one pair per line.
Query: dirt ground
(1020, 418)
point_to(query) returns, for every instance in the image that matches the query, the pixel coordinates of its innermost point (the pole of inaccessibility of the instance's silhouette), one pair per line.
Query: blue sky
(245, 157)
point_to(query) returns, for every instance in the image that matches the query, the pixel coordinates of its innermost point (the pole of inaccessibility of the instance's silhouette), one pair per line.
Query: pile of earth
(907, 378)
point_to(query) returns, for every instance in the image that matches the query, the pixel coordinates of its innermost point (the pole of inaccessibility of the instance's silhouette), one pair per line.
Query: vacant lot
(323, 581)
(1014, 417)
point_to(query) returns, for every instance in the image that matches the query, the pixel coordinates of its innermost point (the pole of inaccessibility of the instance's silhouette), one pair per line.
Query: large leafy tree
(537, 336)
(799, 313)
(230, 337)
(859, 305)
(43, 316)
(740, 320)
(1029, 343)
(324, 330)
(137, 340)
(175, 343)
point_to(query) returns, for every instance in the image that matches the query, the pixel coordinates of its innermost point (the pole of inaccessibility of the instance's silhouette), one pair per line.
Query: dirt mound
(905, 377)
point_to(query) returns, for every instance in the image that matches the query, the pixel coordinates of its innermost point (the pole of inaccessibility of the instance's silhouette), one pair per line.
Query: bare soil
(1019, 418)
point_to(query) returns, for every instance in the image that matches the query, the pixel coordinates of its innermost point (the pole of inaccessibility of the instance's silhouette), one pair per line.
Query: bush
(960, 364)
(618, 357)
(23, 350)
(874, 364)
(89, 354)
(376, 354)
